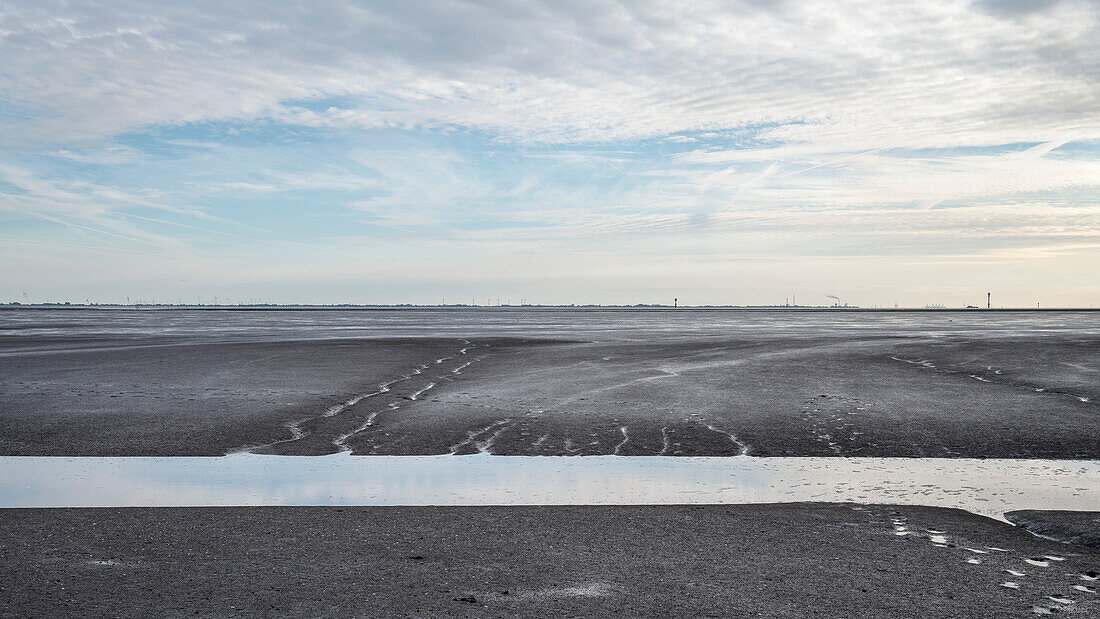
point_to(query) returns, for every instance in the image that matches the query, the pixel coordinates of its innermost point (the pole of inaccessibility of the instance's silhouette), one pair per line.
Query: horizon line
(638, 306)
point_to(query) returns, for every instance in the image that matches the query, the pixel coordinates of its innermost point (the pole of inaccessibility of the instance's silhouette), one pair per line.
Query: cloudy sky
(559, 152)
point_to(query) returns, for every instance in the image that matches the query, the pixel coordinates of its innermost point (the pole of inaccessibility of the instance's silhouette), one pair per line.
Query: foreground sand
(759, 560)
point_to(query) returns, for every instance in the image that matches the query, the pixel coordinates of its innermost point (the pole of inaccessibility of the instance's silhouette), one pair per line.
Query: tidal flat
(550, 382)
(759, 386)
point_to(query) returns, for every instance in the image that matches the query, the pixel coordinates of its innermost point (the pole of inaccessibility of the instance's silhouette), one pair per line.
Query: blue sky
(560, 152)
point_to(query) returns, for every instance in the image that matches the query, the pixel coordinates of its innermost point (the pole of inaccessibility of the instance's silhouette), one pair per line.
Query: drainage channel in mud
(333, 427)
(989, 487)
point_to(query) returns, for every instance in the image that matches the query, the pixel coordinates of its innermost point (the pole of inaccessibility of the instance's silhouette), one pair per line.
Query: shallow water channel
(990, 487)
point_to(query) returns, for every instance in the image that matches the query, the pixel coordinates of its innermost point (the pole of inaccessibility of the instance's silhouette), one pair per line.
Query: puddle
(989, 487)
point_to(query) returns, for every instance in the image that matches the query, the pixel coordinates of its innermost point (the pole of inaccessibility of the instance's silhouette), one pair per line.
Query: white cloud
(820, 131)
(863, 74)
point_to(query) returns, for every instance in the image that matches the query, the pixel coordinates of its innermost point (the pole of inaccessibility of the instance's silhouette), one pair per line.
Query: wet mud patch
(1078, 528)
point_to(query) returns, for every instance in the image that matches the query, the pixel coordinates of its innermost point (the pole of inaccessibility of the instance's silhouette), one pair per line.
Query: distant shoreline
(639, 307)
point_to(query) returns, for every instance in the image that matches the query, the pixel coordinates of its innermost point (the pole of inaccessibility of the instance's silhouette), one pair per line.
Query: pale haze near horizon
(559, 152)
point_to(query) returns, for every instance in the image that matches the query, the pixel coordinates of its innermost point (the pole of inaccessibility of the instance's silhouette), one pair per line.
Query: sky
(558, 152)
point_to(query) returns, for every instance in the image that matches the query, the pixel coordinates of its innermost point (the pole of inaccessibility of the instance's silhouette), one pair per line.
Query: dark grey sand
(835, 389)
(191, 398)
(823, 394)
(1077, 528)
(777, 397)
(792, 560)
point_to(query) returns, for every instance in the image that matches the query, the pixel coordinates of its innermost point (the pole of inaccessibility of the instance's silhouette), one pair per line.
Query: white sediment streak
(666, 443)
(338, 408)
(342, 440)
(996, 371)
(1060, 599)
(383, 388)
(462, 351)
(297, 432)
(481, 446)
(619, 447)
(644, 379)
(922, 363)
(484, 447)
(421, 392)
(744, 449)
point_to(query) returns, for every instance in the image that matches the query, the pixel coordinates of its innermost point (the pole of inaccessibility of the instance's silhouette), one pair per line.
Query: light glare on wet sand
(989, 487)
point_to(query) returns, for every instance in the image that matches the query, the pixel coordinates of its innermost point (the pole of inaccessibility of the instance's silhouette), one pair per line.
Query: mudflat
(550, 383)
(1080, 528)
(189, 398)
(942, 385)
(819, 396)
(792, 560)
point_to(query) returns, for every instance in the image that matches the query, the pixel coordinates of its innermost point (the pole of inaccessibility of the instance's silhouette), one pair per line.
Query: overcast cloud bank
(591, 151)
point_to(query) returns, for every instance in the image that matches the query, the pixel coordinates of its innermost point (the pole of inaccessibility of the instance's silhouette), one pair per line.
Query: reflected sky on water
(989, 486)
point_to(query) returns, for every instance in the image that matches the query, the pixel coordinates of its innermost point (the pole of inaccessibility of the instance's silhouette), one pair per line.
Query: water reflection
(989, 487)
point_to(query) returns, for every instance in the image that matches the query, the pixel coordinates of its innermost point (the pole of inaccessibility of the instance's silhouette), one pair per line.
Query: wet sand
(157, 397)
(1031, 396)
(1079, 528)
(804, 397)
(857, 389)
(761, 560)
